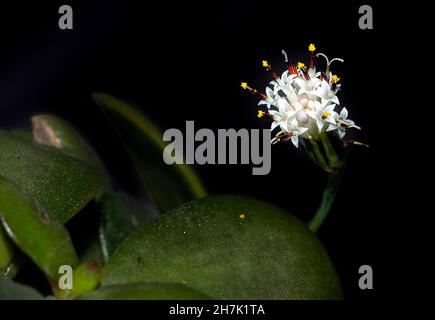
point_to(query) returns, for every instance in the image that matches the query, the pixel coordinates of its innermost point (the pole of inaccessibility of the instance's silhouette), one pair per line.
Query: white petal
(335, 100)
(274, 125)
(283, 105)
(269, 92)
(319, 123)
(330, 120)
(330, 108)
(300, 82)
(302, 130)
(262, 102)
(344, 113)
(295, 141)
(312, 114)
(294, 123)
(331, 127)
(341, 132)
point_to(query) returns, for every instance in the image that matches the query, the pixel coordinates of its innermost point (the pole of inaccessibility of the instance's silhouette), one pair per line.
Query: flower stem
(327, 200)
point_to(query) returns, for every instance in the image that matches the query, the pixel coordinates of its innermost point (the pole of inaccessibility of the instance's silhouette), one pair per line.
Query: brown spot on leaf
(45, 218)
(43, 133)
(92, 266)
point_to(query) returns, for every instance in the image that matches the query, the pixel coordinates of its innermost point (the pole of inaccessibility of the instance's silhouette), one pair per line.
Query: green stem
(327, 200)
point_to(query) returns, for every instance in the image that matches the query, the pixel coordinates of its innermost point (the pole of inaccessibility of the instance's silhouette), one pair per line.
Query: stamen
(290, 66)
(269, 68)
(245, 86)
(328, 63)
(347, 124)
(354, 142)
(302, 66)
(312, 48)
(292, 69)
(335, 79)
(282, 136)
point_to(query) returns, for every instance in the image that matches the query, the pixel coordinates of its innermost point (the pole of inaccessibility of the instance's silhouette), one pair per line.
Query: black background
(185, 61)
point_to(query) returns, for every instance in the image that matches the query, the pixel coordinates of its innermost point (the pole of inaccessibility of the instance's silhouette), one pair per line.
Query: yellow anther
(265, 64)
(335, 79)
(242, 216)
(311, 47)
(244, 85)
(301, 65)
(261, 113)
(325, 114)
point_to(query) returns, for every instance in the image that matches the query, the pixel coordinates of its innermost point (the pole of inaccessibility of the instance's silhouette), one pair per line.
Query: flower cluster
(302, 101)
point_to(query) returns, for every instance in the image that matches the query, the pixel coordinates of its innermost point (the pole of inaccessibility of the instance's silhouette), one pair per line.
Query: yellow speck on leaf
(242, 216)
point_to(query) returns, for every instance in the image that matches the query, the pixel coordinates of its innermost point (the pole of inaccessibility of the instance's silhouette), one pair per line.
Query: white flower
(307, 86)
(271, 97)
(282, 115)
(295, 131)
(343, 123)
(301, 101)
(284, 82)
(325, 93)
(324, 115)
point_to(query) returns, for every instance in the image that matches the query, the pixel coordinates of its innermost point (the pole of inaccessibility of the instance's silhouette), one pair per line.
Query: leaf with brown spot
(62, 184)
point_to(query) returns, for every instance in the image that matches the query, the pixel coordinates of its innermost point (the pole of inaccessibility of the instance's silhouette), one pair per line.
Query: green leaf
(169, 186)
(24, 134)
(57, 133)
(35, 231)
(6, 251)
(62, 184)
(10, 290)
(148, 291)
(228, 247)
(120, 216)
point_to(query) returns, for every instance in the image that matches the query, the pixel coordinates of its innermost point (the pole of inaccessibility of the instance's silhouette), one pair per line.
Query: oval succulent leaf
(169, 186)
(120, 216)
(35, 231)
(228, 247)
(148, 291)
(62, 184)
(57, 133)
